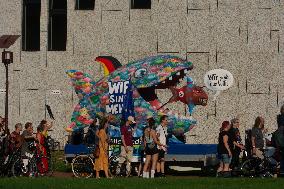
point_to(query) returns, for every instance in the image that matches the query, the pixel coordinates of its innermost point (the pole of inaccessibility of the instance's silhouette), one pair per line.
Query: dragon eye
(181, 94)
(140, 73)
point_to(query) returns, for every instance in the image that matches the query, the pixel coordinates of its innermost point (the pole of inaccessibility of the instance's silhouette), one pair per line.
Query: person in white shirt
(162, 133)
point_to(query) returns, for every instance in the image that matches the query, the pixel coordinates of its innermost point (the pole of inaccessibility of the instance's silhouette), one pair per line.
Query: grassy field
(176, 182)
(137, 183)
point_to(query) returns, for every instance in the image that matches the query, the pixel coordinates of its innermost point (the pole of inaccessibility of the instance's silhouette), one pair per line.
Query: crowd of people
(153, 151)
(154, 143)
(230, 143)
(25, 141)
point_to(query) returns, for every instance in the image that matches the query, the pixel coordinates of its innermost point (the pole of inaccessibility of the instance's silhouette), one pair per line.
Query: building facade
(243, 37)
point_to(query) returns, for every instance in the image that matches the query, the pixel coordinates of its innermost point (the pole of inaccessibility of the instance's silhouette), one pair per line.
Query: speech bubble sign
(218, 80)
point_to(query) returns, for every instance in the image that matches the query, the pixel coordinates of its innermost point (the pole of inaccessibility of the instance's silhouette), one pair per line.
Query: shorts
(161, 154)
(225, 158)
(151, 151)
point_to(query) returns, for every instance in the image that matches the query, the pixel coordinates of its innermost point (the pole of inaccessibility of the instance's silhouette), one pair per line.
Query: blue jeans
(225, 158)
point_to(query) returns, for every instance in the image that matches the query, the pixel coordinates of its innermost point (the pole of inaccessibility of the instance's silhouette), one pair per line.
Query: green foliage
(59, 163)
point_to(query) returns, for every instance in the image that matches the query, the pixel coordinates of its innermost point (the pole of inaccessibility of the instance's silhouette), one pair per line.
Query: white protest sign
(218, 80)
(117, 92)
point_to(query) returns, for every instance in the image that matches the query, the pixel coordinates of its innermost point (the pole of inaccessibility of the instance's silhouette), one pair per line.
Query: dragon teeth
(171, 78)
(185, 71)
(178, 73)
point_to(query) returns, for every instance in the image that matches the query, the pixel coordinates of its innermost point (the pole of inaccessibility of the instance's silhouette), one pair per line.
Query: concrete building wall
(243, 37)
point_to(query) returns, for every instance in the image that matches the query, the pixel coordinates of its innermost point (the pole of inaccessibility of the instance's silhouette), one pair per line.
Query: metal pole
(6, 101)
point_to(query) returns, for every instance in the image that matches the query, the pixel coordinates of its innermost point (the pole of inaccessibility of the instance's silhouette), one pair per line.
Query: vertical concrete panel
(226, 30)
(10, 15)
(169, 38)
(32, 106)
(60, 104)
(168, 11)
(14, 97)
(141, 36)
(259, 31)
(259, 73)
(198, 37)
(112, 38)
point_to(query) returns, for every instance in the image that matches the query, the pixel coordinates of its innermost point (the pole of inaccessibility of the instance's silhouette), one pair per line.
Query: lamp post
(7, 58)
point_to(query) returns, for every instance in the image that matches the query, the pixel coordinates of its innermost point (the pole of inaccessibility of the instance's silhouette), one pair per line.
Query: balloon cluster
(83, 87)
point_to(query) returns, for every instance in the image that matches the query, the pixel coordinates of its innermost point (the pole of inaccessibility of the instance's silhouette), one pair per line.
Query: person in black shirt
(236, 144)
(224, 150)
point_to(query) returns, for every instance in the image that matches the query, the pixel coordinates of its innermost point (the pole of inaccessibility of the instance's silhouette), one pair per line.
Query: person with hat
(126, 143)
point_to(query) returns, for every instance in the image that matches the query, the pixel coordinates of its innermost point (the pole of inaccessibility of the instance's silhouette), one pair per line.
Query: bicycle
(116, 169)
(6, 163)
(38, 165)
(83, 164)
(256, 167)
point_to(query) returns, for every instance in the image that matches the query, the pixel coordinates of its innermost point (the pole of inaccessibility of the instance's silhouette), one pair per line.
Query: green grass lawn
(176, 182)
(137, 183)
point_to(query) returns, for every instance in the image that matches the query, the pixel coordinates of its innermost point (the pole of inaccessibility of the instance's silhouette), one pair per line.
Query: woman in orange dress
(101, 163)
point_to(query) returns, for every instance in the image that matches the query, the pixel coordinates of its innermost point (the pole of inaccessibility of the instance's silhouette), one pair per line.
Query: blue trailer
(179, 156)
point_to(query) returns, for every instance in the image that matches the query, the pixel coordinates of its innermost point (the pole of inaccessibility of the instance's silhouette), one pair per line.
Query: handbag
(97, 151)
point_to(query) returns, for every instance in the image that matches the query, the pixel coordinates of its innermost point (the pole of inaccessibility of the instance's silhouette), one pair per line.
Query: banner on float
(115, 145)
(117, 93)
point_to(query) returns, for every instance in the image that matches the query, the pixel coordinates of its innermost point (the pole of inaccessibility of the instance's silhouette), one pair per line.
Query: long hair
(103, 121)
(94, 123)
(41, 125)
(151, 123)
(258, 121)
